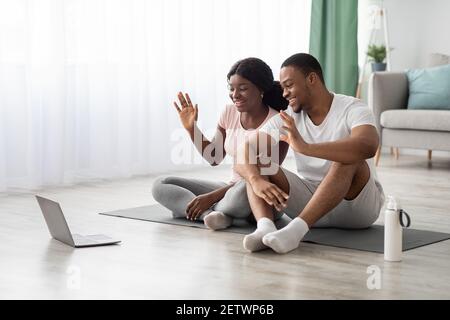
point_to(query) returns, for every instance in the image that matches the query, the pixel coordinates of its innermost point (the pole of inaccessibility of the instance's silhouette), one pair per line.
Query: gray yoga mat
(370, 239)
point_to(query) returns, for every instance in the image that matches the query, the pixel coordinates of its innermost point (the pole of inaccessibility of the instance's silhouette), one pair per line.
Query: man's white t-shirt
(345, 114)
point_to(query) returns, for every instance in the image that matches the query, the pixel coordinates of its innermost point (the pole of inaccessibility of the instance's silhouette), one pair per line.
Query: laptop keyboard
(98, 237)
(90, 239)
(81, 242)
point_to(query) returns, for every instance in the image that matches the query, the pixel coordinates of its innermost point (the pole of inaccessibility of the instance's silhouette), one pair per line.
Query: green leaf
(376, 53)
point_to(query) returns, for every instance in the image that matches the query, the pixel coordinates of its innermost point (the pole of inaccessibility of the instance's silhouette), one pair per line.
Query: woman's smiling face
(244, 94)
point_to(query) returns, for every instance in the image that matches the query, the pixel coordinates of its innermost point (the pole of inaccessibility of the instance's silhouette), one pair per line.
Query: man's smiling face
(295, 87)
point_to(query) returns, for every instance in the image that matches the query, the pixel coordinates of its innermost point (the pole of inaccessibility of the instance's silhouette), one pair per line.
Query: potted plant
(377, 54)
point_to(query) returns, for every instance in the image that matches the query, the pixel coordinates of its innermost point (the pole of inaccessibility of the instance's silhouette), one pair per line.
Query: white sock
(217, 220)
(288, 238)
(253, 241)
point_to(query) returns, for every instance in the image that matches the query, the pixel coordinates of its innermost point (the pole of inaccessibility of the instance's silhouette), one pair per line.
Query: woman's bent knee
(158, 186)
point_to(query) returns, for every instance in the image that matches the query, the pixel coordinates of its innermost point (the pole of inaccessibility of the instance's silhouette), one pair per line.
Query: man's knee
(268, 169)
(358, 175)
(346, 169)
(275, 176)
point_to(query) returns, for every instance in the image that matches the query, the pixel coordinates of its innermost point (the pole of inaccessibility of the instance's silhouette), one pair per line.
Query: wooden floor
(157, 261)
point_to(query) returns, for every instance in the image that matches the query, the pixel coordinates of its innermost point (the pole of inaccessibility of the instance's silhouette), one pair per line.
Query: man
(332, 137)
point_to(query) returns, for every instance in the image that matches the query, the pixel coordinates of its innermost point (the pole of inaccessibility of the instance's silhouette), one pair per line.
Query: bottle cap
(392, 203)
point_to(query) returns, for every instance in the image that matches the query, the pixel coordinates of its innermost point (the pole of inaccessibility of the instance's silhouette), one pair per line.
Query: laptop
(57, 225)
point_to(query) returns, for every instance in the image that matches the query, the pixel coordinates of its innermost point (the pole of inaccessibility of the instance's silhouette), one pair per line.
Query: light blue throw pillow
(429, 88)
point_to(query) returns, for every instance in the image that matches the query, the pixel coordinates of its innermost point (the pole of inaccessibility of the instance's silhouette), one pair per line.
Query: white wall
(416, 28)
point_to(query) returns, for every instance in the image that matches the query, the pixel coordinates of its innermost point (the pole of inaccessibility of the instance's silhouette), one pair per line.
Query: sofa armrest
(387, 90)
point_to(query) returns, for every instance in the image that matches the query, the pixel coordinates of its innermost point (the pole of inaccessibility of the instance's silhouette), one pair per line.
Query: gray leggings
(175, 193)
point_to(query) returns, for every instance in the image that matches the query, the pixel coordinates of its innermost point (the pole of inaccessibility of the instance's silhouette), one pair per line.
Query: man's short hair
(306, 63)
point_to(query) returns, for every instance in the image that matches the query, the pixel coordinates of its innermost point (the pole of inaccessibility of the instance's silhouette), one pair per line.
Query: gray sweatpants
(358, 213)
(175, 193)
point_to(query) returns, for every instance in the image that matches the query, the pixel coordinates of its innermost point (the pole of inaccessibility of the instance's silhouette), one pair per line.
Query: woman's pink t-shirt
(230, 120)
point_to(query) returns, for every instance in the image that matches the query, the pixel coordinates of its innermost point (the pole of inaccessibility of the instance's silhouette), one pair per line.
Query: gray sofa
(399, 127)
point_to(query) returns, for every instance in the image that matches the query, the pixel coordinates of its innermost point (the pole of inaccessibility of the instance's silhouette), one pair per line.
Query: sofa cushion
(432, 120)
(429, 88)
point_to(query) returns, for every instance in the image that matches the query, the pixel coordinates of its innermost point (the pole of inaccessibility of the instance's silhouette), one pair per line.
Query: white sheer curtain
(86, 86)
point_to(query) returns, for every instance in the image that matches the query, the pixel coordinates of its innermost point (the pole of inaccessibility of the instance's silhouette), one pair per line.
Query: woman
(256, 98)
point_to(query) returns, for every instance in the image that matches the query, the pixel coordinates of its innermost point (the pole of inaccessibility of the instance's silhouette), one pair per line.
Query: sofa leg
(377, 156)
(396, 153)
(429, 155)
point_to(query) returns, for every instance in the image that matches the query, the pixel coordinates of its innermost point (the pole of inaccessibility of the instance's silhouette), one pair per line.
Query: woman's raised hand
(187, 112)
